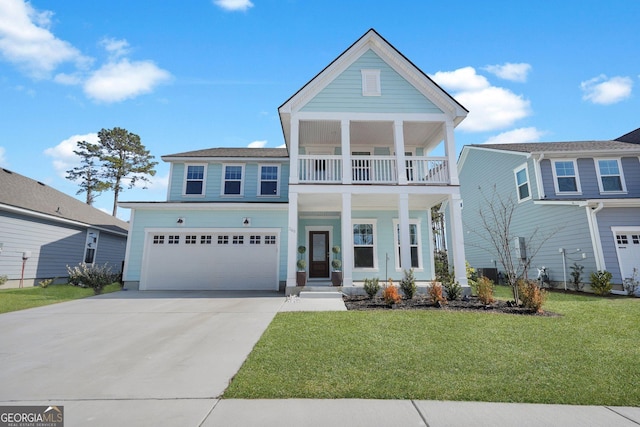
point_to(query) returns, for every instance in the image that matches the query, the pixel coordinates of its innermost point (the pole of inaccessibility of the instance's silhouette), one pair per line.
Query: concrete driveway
(131, 358)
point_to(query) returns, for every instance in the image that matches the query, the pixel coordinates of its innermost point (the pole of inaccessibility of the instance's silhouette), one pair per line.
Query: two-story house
(582, 197)
(370, 149)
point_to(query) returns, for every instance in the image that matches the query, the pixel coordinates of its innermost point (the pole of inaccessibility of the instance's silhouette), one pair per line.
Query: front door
(319, 254)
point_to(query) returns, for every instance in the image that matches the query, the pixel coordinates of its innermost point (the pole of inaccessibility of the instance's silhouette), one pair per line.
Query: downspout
(595, 235)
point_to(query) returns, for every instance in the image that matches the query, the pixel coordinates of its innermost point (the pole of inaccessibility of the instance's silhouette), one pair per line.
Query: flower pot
(336, 278)
(301, 278)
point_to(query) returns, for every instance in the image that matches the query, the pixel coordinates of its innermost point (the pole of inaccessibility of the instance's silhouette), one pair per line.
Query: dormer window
(371, 83)
(610, 177)
(565, 173)
(194, 180)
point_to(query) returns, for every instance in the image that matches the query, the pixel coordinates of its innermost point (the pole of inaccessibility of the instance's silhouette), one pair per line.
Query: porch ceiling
(370, 133)
(333, 202)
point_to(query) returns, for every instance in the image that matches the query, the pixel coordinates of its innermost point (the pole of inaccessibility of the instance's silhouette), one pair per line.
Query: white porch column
(403, 224)
(292, 239)
(398, 142)
(345, 139)
(450, 152)
(457, 238)
(293, 151)
(347, 241)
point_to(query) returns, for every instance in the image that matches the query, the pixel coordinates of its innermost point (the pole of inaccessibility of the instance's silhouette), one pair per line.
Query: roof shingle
(232, 152)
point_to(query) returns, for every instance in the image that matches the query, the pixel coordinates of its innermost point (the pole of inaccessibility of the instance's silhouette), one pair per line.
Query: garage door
(628, 248)
(210, 261)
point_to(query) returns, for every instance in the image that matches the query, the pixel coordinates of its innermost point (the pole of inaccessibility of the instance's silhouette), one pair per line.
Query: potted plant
(336, 274)
(301, 274)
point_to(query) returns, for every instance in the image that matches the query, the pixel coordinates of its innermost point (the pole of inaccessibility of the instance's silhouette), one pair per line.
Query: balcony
(372, 170)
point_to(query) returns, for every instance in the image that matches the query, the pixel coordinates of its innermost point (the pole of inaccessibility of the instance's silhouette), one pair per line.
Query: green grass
(589, 355)
(21, 298)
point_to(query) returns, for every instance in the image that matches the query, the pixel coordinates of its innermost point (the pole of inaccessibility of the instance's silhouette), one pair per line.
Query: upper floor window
(522, 183)
(232, 179)
(269, 180)
(194, 180)
(565, 174)
(610, 177)
(371, 83)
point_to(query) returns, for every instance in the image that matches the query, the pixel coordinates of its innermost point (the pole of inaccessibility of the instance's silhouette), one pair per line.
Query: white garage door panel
(211, 266)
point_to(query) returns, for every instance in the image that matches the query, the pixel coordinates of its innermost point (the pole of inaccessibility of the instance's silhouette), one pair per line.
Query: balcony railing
(372, 170)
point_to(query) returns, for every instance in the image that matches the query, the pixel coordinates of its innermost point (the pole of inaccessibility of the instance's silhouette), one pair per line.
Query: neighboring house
(584, 195)
(43, 230)
(358, 172)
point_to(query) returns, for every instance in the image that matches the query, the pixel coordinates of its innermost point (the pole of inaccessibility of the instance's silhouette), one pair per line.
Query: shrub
(3, 279)
(45, 282)
(576, 276)
(453, 290)
(95, 277)
(601, 282)
(336, 264)
(435, 294)
(408, 284)
(631, 284)
(301, 264)
(532, 296)
(390, 294)
(472, 277)
(371, 287)
(485, 290)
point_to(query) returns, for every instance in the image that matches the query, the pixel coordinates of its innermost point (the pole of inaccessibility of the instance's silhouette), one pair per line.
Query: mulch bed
(420, 302)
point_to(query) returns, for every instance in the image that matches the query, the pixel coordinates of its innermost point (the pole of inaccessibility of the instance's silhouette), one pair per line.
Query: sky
(188, 75)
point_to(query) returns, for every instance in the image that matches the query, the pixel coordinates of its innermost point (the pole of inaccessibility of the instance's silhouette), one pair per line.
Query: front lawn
(587, 356)
(35, 296)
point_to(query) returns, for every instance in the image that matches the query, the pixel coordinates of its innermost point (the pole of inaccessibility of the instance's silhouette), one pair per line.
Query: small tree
(576, 276)
(88, 173)
(601, 282)
(408, 284)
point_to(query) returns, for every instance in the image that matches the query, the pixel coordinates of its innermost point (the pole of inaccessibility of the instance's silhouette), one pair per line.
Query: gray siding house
(584, 196)
(43, 230)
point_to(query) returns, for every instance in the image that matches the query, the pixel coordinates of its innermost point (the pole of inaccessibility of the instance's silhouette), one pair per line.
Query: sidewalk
(370, 413)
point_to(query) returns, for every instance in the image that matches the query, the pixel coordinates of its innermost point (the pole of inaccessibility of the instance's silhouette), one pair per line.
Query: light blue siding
(213, 185)
(202, 219)
(614, 217)
(344, 93)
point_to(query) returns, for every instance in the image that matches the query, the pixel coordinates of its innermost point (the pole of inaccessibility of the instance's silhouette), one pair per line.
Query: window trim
(259, 189)
(204, 180)
(224, 180)
(374, 230)
(366, 75)
(621, 175)
(396, 239)
(515, 176)
(576, 176)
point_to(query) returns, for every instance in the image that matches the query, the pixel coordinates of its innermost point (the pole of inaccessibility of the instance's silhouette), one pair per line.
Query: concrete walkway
(164, 359)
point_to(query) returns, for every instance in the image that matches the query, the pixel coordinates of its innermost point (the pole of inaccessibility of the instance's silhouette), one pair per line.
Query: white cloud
(258, 144)
(490, 107)
(117, 81)
(605, 91)
(63, 156)
(233, 5)
(515, 136)
(26, 41)
(3, 159)
(116, 48)
(282, 146)
(509, 71)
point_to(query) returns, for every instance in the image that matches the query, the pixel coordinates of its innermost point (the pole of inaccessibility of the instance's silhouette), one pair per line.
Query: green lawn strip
(35, 296)
(588, 356)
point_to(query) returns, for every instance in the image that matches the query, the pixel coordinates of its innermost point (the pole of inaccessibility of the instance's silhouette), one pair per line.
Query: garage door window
(158, 240)
(238, 240)
(269, 240)
(190, 240)
(174, 240)
(205, 240)
(223, 240)
(254, 240)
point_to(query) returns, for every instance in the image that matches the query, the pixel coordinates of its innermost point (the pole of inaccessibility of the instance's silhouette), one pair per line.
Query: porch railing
(372, 170)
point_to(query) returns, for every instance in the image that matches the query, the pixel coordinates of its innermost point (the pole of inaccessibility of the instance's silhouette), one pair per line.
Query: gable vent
(370, 82)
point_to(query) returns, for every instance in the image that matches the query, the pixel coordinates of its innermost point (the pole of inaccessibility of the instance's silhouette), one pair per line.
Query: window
(522, 183)
(371, 83)
(363, 246)
(414, 244)
(233, 180)
(610, 177)
(174, 240)
(158, 240)
(269, 180)
(269, 240)
(565, 173)
(190, 240)
(238, 240)
(254, 240)
(635, 238)
(89, 256)
(205, 240)
(194, 182)
(223, 240)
